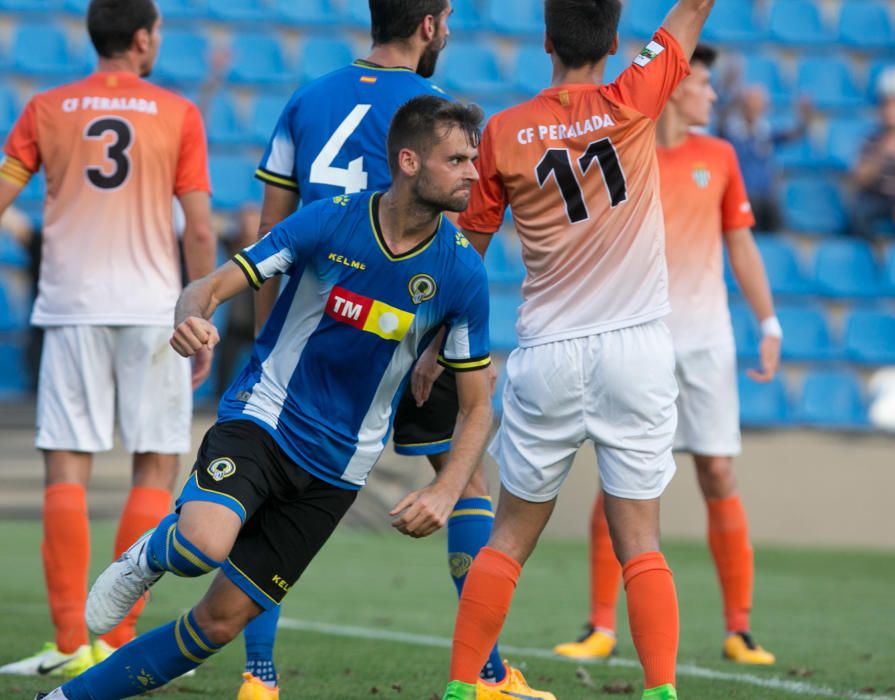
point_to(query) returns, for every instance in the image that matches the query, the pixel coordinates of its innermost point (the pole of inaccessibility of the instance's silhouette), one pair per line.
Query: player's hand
(769, 357)
(201, 366)
(423, 512)
(194, 334)
(425, 373)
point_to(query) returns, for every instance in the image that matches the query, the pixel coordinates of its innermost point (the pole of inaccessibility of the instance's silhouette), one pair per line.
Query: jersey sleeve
(21, 153)
(192, 160)
(656, 71)
(488, 199)
(277, 166)
(736, 212)
(285, 247)
(467, 342)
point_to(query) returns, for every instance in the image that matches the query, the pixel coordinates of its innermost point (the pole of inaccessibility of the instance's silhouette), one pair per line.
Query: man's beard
(437, 202)
(428, 61)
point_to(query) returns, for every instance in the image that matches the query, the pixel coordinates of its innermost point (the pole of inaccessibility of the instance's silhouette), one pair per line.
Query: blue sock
(260, 635)
(469, 528)
(170, 551)
(147, 662)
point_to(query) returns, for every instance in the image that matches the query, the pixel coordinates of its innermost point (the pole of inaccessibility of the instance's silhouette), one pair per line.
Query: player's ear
(409, 162)
(548, 43)
(141, 41)
(429, 28)
(614, 48)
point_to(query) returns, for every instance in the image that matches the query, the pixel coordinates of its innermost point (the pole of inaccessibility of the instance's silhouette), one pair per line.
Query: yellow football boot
(512, 686)
(255, 689)
(593, 644)
(741, 648)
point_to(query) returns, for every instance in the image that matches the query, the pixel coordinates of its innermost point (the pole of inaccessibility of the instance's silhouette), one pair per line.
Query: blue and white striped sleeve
(277, 166)
(467, 344)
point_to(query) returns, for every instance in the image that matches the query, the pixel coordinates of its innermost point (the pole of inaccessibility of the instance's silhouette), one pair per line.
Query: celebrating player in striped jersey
(372, 278)
(706, 207)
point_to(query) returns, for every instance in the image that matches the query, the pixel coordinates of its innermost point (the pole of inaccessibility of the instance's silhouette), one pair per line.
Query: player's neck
(671, 130)
(394, 55)
(403, 222)
(119, 64)
(574, 76)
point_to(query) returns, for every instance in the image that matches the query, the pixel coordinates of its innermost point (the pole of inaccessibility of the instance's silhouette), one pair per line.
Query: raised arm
(278, 204)
(684, 21)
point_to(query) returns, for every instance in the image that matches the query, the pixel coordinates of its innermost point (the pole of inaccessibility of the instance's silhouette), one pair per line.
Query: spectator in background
(746, 125)
(874, 173)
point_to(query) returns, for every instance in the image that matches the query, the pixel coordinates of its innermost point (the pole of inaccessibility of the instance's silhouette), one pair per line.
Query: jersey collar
(377, 233)
(369, 65)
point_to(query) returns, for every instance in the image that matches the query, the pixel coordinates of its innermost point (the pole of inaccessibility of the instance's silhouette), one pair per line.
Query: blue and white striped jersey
(328, 367)
(331, 137)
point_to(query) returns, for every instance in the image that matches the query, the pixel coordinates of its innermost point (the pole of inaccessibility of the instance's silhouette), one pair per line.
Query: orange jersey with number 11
(116, 150)
(577, 166)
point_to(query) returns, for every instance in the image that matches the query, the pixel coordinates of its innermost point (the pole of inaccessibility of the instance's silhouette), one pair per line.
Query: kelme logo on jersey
(422, 288)
(368, 315)
(701, 175)
(221, 468)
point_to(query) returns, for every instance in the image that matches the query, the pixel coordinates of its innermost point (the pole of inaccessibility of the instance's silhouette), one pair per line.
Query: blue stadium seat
(615, 64)
(238, 11)
(13, 371)
(801, 154)
(78, 7)
(12, 254)
(524, 17)
(865, 24)
(223, 122)
(734, 22)
(806, 334)
(889, 271)
(357, 13)
(828, 81)
(814, 205)
(466, 16)
(504, 306)
(41, 49)
(643, 17)
(783, 266)
(14, 307)
(320, 56)
(306, 12)
(846, 268)
(764, 69)
(845, 137)
(503, 262)
(232, 181)
(183, 9)
(745, 330)
(258, 58)
(797, 22)
(29, 6)
(265, 112)
(832, 399)
(9, 109)
(762, 405)
(532, 69)
(870, 337)
(469, 68)
(183, 58)
(874, 70)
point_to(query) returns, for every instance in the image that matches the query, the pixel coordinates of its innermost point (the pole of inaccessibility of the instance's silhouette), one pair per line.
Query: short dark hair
(581, 31)
(416, 125)
(704, 54)
(113, 23)
(395, 20)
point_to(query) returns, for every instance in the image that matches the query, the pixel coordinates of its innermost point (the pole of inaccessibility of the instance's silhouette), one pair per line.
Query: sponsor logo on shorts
(221, 468)
(459, 563)
(280, 582)
(422, 288)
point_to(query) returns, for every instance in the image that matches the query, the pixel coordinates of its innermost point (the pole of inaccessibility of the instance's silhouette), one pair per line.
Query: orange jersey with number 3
(703, 197)
(577, 166)
(116, 150)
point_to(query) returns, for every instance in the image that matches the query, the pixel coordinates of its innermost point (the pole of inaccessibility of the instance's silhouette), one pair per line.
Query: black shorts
(427, 430)
(287, 513)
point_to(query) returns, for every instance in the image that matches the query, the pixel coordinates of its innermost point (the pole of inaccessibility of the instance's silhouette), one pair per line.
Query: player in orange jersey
(577, 165)
(706, 208)
(116, 150)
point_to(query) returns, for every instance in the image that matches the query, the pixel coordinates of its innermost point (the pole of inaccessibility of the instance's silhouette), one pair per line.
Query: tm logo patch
(221, 468)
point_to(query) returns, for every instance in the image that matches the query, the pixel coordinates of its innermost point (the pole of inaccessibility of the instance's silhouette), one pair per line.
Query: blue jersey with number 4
(331, 137)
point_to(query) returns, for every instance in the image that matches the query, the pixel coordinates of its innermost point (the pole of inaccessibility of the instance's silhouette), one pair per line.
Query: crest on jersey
(648, 53)
(221, 468)
(422, 288)
(701, 175)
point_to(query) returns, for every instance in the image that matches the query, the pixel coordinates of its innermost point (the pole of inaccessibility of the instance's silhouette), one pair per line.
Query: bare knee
(155, 471)
(222, 624)
(715, 475)
(633, 526)
(210, 527)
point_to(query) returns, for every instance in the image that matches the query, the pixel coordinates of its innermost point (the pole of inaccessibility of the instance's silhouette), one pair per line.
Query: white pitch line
(795, 687)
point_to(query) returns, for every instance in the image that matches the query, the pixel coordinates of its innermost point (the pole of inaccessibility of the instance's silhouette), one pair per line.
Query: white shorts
(616, 388)
(88, 373)
(708, 406)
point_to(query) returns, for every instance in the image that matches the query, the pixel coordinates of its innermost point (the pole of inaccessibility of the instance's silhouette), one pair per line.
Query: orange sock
(484, 605)
(729, 542)
(144, 508)
(605, 571)
(653, 616)
(66, 556)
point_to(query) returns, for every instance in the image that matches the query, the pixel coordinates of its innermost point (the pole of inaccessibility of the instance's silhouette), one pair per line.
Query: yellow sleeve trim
(276, 179)
(248, 269)
(476, 363)
(14, 171)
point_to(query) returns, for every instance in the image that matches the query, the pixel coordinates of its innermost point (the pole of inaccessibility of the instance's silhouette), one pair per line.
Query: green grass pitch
(829, 617)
